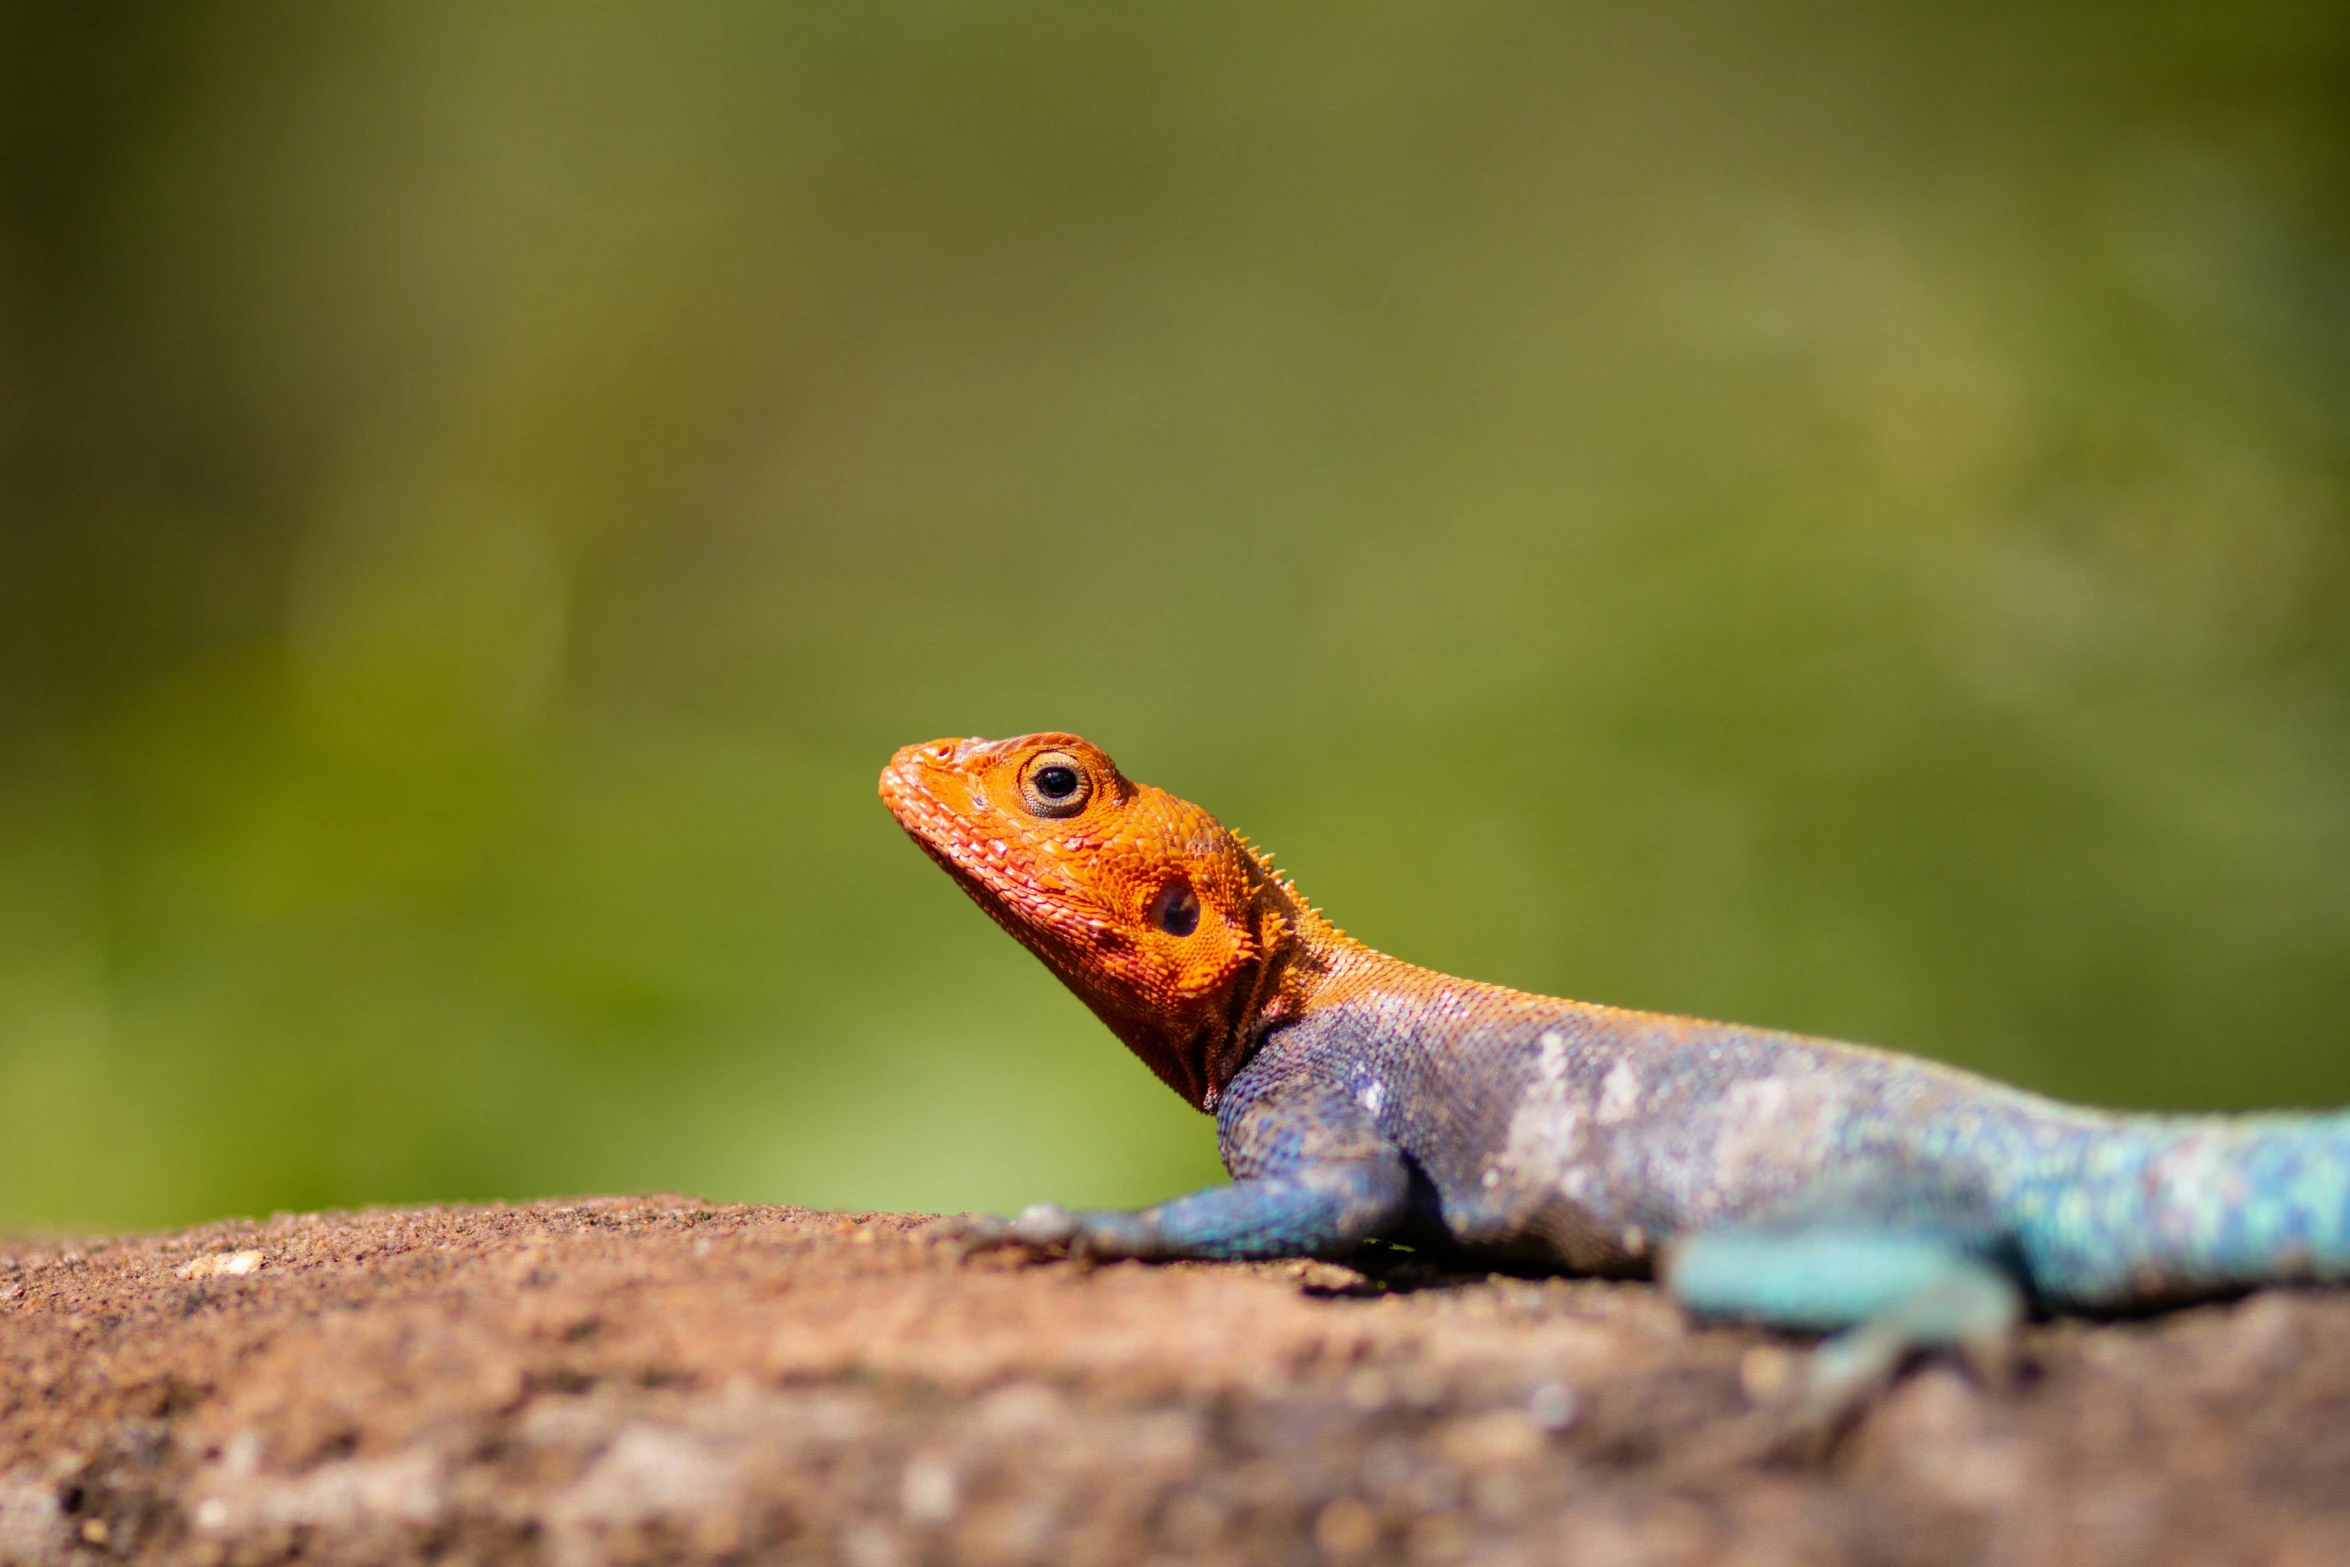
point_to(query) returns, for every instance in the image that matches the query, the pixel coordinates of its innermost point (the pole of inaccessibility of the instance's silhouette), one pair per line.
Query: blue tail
(2150, 1208)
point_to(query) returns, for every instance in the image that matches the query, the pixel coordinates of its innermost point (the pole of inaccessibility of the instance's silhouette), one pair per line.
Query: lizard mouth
(929, 820)
(980, 865)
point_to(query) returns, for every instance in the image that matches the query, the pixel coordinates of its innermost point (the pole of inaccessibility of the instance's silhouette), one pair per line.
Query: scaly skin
(1766, 1175)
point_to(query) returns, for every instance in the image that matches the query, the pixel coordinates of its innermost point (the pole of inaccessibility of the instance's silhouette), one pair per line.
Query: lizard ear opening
(1176, 909)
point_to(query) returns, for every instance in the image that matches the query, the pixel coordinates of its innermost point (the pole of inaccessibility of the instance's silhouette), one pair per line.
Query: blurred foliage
(1831, 515)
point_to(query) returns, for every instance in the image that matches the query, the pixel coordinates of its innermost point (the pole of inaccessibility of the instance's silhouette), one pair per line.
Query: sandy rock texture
(659, 1379)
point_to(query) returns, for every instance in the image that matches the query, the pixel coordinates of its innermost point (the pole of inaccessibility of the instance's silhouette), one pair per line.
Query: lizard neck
(1304, 962)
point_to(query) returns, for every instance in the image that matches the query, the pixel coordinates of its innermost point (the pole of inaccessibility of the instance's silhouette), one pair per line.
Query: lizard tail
(2172, 1207)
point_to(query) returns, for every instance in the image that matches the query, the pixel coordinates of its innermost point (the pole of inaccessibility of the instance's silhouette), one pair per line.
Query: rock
(638, 1379)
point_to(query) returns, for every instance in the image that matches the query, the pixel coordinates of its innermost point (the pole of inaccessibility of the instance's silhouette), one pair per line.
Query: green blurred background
(1836, 518)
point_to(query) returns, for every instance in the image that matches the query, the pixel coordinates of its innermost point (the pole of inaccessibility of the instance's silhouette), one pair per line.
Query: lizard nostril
(1176, 909)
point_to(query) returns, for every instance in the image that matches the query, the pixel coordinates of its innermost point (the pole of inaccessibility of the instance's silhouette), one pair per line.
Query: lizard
(1895, 1204)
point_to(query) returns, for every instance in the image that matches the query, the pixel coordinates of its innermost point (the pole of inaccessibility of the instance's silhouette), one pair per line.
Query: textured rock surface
(662, 1379)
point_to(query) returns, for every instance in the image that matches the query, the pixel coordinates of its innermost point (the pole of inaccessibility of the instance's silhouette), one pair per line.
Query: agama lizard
(1762, 1175)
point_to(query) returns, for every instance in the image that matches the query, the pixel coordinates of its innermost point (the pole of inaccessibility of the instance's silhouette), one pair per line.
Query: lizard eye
(1055, 785)
(1176, 909)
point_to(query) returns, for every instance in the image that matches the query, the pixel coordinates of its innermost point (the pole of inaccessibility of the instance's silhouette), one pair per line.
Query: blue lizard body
(1597, 1137)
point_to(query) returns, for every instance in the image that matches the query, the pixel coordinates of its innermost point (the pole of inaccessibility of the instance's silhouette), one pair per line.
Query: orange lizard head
(1167, 925)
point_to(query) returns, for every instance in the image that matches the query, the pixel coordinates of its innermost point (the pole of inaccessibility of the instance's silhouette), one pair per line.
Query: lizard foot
(1041, 1229)
(1047, 1229)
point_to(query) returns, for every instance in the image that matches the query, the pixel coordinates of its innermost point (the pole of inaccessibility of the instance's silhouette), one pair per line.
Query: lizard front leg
(1314, 1177)
(1317, 1210)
